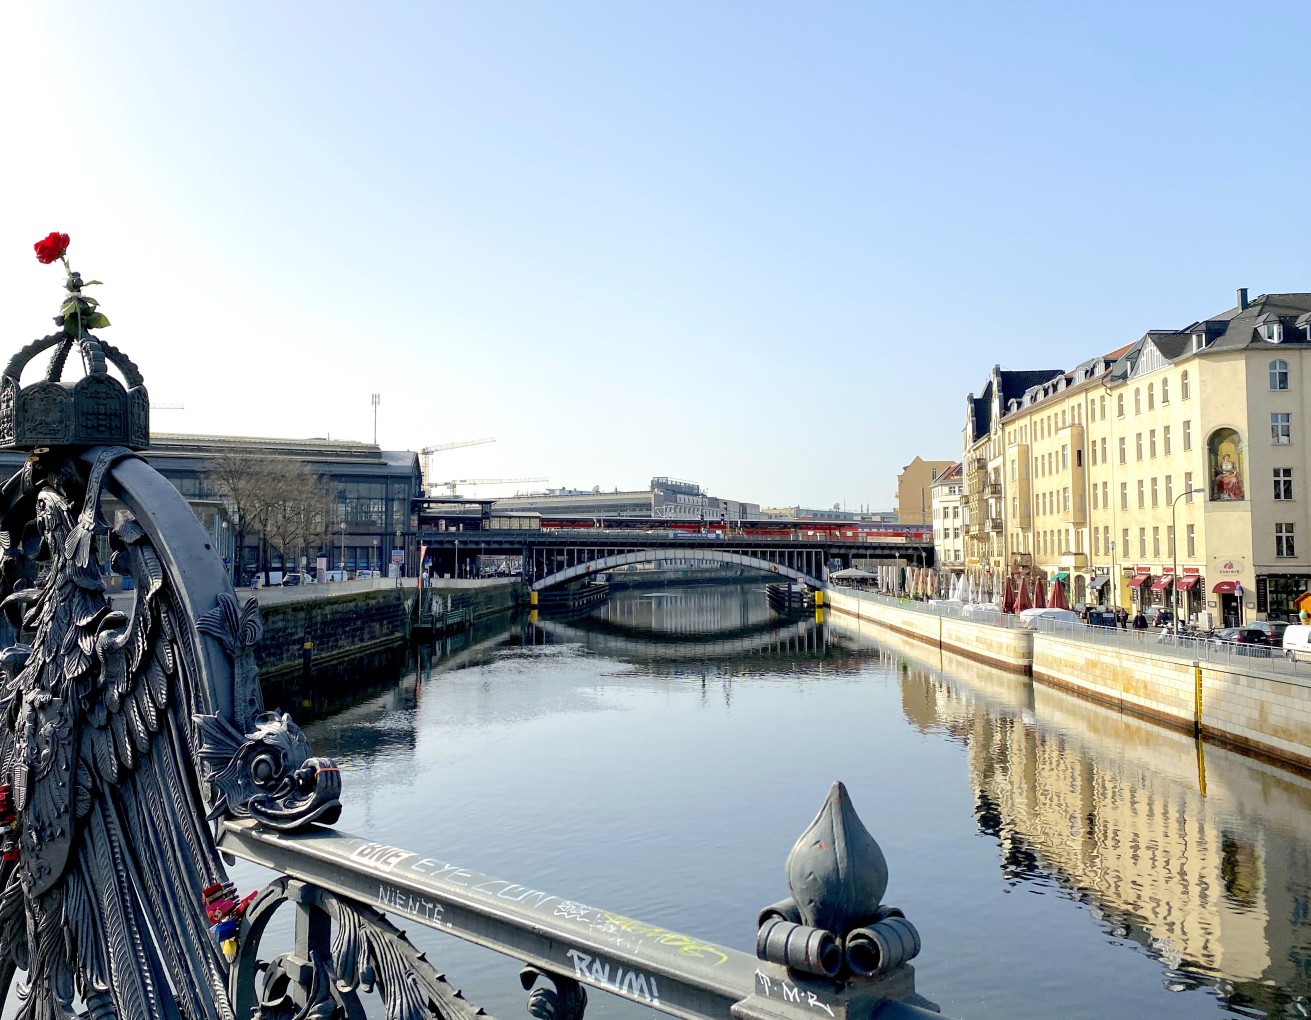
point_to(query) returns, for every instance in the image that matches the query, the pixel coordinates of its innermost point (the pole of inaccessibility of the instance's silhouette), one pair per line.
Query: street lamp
(1174, 549)
(342, 565)
(377, 563)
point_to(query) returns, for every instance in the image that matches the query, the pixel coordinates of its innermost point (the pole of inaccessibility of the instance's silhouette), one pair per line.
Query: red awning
(1138, 580)
(1187, 581)
(1161, 583)
(1224, 587)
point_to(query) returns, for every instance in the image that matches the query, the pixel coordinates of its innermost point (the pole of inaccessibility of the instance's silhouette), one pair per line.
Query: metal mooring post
(135, 750)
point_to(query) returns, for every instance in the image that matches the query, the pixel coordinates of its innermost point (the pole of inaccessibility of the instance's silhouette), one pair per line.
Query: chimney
(1242, 298)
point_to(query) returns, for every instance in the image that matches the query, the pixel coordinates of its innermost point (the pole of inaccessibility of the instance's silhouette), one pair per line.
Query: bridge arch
(604, 563)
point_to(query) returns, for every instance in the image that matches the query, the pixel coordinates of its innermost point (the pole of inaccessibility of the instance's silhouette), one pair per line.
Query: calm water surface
(660, 758)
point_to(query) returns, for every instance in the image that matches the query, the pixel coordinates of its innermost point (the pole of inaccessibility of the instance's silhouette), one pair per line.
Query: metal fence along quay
(136, 752)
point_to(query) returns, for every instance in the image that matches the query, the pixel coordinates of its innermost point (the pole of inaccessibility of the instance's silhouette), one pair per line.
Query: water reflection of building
(1110, 811)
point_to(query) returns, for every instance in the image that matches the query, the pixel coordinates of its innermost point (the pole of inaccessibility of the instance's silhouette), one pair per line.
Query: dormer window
(1199, 341)
(1274, 332)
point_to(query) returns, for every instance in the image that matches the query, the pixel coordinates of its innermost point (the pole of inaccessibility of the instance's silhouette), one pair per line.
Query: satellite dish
(596, 490)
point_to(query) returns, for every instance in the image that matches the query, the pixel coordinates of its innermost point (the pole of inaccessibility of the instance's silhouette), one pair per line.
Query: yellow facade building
(915, 489)
(1176, 467)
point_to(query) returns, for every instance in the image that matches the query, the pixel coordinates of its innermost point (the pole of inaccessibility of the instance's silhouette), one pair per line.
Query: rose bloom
(51, 247)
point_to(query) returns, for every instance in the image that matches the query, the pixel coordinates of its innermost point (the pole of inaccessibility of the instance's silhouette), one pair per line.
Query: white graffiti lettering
(776, 987)
(612, 976)
(380, 855)
(419, 907)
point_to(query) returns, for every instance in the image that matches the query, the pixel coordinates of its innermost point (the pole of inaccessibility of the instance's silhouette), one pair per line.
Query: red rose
(51, 247)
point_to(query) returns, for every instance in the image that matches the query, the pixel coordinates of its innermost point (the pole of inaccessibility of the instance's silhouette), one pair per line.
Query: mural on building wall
(1225, 449)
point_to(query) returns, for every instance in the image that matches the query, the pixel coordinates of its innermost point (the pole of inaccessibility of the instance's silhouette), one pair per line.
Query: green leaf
(88, 302)
(69, 308)
(96, 320)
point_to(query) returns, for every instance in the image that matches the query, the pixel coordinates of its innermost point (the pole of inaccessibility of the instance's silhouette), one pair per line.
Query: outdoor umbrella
(1039, 593)
(1057, 598)
(1022, 598)
(1008, 595)
(966, 591)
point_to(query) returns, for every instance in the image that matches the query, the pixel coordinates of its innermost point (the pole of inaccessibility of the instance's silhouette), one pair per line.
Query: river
(659, 759)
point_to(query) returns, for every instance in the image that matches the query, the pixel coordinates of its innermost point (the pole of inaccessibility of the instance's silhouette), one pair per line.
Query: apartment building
(948, 498)
(914, 489)
(1174, 467)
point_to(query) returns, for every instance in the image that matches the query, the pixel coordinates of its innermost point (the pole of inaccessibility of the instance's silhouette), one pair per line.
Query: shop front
(1098, 588)
(1190, 594)
(1276, 593)
(1140, 589)
(1229, 595)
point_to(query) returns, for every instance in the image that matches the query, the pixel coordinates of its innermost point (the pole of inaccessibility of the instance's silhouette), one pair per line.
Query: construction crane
(428, 451)
(450, 486)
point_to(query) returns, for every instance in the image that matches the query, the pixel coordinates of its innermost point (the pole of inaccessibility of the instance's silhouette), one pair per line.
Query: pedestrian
(1121, 617)
(1139, 621)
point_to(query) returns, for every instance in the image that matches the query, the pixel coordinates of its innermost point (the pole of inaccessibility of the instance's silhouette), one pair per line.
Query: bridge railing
(341, 883)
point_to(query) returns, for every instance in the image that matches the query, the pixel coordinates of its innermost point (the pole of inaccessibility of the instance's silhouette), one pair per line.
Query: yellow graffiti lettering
(685, 945)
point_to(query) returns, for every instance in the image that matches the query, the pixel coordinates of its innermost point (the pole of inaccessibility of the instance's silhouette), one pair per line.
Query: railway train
(849, 531)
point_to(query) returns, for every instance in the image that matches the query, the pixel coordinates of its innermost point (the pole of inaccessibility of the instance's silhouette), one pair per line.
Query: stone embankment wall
(340, 624)
(1260, 711)
(336, 625)
(1007, 648)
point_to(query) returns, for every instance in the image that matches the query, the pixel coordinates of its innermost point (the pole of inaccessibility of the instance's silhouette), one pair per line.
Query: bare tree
(261, 492)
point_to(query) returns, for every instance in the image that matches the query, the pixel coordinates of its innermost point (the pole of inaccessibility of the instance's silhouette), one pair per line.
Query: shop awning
(1224, 587)
(1062, 576)
(1098, 581)
(1162, 582)
(1138, 580)
(1188, 581)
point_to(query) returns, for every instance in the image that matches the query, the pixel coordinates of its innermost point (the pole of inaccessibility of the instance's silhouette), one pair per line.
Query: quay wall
(1255, 707)
(1008, 648)
(1256, 711)
(343, 623)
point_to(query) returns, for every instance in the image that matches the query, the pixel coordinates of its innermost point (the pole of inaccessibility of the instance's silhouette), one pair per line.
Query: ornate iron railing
(135, 751)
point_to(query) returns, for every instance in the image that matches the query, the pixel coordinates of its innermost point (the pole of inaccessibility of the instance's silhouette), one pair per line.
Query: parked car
(1246, 638)
(1272, 631)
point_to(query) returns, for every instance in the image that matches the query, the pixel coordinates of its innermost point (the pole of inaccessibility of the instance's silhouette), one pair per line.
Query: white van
(1297, 643)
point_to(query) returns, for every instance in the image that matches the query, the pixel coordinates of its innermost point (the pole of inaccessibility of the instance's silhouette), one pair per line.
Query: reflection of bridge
(558, 557)
(633, 643)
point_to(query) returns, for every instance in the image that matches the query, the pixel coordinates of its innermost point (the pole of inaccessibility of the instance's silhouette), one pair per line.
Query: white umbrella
(966, 589)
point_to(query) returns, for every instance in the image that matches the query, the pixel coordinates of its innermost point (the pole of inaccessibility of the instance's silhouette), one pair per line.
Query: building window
(1137, 401)
(1106, 502)
(1188, 486)
(1092, 453)
(1156, 543)
(1283, 483)
(1097, 542)
(1279, 375)
(1151, 443)
(1123, 449)
(1281, 428)
(1125, 550)
(1094, 497)
(1124, 495)
(1151, 396)
(1169, 489)
(1185, 391)
(1065, 498)
(1142, 542)
(1155, 501)
(1284, 540)
(1119, 405)
(1165, 391)
(1138, 445)
(1101, 408)
(1165, 439)
(1192, 538)
(1188, 435)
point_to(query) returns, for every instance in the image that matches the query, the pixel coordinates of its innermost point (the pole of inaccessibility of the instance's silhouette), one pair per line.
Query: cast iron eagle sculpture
(111, 748)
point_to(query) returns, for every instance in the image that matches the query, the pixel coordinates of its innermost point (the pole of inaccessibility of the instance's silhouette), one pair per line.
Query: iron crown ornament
(96, 410)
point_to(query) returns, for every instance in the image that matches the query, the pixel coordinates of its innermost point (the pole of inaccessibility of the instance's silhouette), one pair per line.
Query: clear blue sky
(766, 247)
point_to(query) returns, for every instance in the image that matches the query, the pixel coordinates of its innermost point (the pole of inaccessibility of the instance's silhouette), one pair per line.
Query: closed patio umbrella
(1008, 595)
(1022, 598)
(1057, 598)
(1039, 593)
